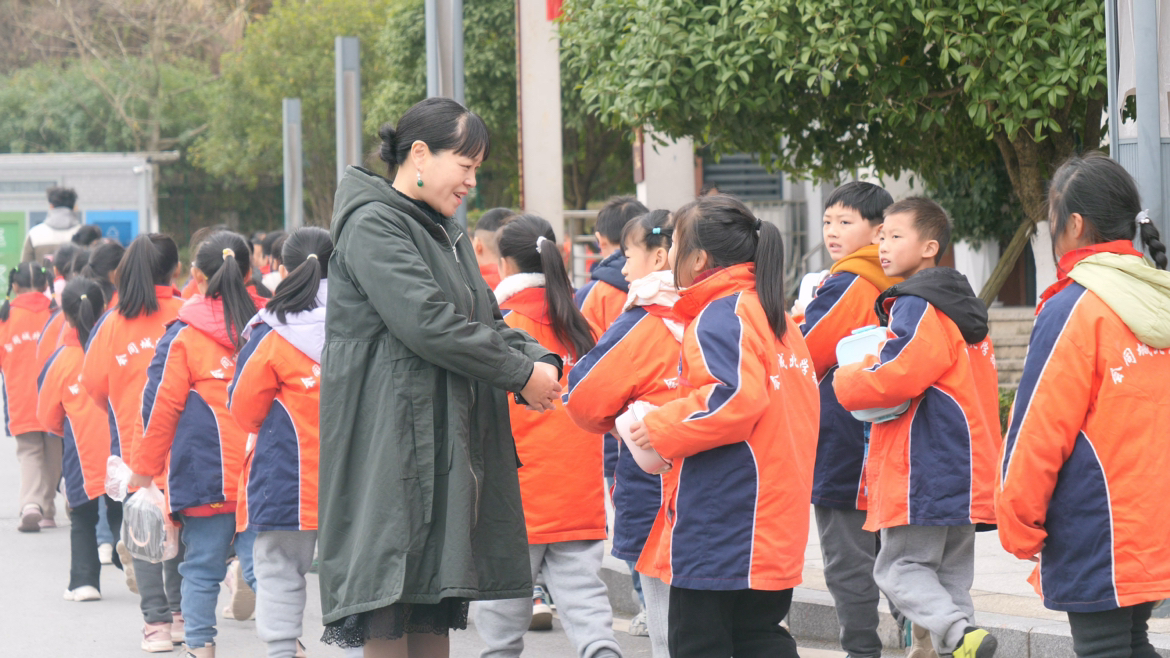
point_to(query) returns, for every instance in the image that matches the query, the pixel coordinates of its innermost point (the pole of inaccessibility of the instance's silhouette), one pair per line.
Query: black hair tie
(759, 224)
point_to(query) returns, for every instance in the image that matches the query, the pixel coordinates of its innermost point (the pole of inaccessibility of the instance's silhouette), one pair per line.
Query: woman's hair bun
(389, 153)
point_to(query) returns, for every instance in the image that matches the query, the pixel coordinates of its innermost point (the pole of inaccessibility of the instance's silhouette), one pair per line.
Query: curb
(813, 618)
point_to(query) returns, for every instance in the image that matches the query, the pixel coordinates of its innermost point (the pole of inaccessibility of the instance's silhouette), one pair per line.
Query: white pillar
(976, 260)
(542, 184)
(814, 203)
(1045, 261)
(668, 173)
(294, 180)
(348, 102)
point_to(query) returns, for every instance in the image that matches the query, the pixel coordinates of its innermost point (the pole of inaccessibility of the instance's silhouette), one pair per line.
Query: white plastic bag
(147, 528)
(647, 458)
(118, 476)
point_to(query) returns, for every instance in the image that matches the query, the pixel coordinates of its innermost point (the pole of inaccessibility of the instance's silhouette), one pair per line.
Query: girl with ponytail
(189, 433)
(23, 316)
(1085, 456)
(744, 421)
(66, 410)
(635, 359)
(276, 396)
(103, 263)
(562, 495)
(118, 353)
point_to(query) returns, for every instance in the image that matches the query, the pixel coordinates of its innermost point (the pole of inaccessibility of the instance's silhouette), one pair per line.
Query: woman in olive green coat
(419, 499)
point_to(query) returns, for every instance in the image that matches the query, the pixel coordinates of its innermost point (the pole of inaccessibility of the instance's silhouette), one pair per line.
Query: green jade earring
(419, 178)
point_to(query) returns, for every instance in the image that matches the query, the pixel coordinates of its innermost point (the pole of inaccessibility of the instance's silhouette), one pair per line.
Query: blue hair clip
(657, 231)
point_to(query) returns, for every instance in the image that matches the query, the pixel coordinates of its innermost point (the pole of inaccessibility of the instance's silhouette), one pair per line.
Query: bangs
(473, 140)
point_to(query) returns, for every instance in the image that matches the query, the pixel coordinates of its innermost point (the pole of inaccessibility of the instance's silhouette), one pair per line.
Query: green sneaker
(977, 643)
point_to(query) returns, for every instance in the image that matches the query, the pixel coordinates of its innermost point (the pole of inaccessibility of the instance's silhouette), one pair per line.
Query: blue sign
(120, 225)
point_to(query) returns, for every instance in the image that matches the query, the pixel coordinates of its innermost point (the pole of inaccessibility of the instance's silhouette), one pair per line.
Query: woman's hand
(542, 388)
(640, 434)
(140, 481)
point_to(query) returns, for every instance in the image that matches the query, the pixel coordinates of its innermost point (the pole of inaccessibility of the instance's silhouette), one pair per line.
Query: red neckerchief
(664, 312)
(1070, 260)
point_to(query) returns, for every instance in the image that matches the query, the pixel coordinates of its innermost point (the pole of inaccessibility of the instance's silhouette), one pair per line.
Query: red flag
(554, 9)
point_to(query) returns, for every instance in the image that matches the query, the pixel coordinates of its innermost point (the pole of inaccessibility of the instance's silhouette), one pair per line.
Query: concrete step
(1011, 328)
(1011, 313)
(1009, 339)
(1009, 353)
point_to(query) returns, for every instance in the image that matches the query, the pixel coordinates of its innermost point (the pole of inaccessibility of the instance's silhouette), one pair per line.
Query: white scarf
(513, 284)
(656, 289)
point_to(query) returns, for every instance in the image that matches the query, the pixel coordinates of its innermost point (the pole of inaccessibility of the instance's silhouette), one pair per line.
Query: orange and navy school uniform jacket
(19, 362)
(844, 302)
(935, 463)
(65, 409)
(560, 487)
(635, 359)
(743, 438)
(51, 336)
(116, 359)
(185, 413)
(601, 301)
(1082, 480)
(275, 395)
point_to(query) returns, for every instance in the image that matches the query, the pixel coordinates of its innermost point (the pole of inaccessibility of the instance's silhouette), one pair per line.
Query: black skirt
(397, 620)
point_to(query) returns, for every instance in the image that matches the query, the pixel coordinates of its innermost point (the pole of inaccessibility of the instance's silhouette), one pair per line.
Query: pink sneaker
(30, 518)
(178, 628)
(156, 638)
(47, 523)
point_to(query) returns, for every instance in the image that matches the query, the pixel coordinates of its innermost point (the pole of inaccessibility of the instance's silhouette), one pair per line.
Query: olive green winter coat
(419, 497)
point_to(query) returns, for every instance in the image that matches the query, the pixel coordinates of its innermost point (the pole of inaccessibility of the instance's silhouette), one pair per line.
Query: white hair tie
(1143, 217)
(539, 240)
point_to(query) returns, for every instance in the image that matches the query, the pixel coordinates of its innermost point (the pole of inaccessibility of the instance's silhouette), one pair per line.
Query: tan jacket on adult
(44, 238)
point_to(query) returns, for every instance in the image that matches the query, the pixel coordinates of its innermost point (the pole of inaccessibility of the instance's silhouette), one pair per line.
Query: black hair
(1102, 191)
(83, 301)
(653, 230)
(532, 245)
(103, 262)
(440, 123)
(298, 291)
(200, 236)
(256, 237)
(226, 278)
(62, 197)
(493, 219)
(930, 221)
(29, 275)
(727, 230)
(80, 260)
(278, 248)
(268, 244)
(869, 200)
(63, 258)
(615, 214)
(87, 235)
(150, 261)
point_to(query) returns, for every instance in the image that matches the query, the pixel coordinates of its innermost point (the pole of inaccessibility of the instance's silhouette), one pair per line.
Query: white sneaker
(106, 553)
(83, 593)
(541, 611)
(638, 625)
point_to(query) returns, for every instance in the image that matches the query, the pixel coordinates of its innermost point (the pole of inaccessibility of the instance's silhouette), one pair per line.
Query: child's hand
(640, 434)
(140, 481)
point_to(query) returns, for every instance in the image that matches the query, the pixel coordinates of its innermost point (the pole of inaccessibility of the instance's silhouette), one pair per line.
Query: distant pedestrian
(60, 224)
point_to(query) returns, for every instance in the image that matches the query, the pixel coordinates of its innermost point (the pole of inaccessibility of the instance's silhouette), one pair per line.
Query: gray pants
(281, 559)
(159, 588)
(657, 595)
(849, 552)
(927, 571)
(572, 572)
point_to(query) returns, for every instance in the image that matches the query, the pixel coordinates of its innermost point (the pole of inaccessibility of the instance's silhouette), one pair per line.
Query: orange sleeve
(913, 359)
(168, 382)
(833, 314)
(725, 370)
(95, 371)
(1051, 405)
(50, 405)
(256, 383)
(604, 381)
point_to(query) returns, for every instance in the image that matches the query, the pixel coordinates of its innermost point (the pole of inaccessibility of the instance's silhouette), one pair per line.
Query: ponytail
(306, 251)
(530, 242)
(1152, 241)
(770, 277)
(83, 302)
(224, 258)
(730, 234)
(150, 261)
(30, 275)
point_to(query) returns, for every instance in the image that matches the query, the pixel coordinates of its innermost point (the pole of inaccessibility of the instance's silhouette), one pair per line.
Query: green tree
(827, 86)
(289, 53)
(596, 156)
